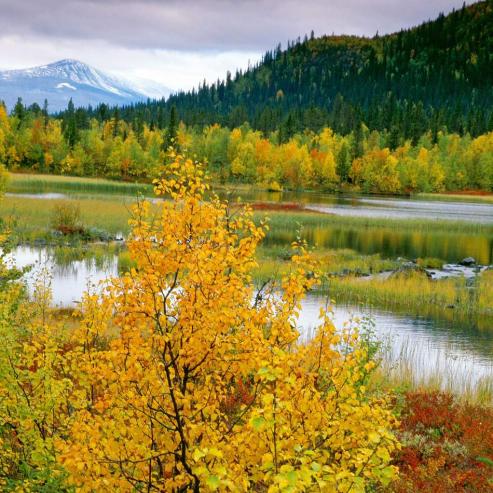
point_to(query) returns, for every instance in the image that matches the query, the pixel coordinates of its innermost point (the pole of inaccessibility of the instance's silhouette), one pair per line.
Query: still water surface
(379, 207)
(456, 352)
(389, 242)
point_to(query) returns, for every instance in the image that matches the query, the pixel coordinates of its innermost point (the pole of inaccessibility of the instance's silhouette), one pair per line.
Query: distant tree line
(363, 160)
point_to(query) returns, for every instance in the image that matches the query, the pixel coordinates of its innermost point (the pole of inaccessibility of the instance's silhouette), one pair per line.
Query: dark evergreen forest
(437, 76)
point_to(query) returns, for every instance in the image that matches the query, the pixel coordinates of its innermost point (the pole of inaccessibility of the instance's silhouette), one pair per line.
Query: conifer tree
(70, 125)
(172, 129)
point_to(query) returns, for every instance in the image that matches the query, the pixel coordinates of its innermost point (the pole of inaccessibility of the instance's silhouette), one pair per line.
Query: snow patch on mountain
(65, 85)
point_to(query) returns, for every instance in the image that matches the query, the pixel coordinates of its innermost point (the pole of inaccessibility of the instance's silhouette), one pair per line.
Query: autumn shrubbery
(180, 377)
(447, 446)
(366, 160)
(4, 178)
(66, 219)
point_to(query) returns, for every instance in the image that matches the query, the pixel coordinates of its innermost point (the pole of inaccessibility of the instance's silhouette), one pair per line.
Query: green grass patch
(416, 294)
(275, 260)
(430, 263)
(457, 197)
(31, 183)
(281, 221)
(31, 219)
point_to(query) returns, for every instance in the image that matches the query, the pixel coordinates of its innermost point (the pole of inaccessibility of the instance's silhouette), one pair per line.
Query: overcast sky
(181, 42)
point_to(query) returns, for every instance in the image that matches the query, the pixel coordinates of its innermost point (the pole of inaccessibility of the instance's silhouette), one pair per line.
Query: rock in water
(468, 261)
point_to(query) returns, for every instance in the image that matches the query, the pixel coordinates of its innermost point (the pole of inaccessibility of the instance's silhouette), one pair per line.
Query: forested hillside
(435, 76)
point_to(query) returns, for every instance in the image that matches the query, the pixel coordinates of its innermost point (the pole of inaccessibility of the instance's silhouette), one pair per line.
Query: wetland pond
(431, 346)
(368, 225)
(377, 206)
(388, 241)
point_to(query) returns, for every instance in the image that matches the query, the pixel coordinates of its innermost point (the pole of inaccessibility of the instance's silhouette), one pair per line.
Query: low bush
(66, 218)
(447, 446)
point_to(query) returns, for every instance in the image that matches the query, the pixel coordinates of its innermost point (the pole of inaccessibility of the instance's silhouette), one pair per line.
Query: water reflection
(410, 209)
(458, 354)
(343, 205)
(44, 196)
(392, 243)
(69, 279)
(389, 242)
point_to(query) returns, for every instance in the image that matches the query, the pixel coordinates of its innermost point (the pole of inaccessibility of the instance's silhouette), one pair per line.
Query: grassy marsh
(309, 219)
(400, 374)
(32, 183)
(31, 217)
(415, 293)
(346, 247)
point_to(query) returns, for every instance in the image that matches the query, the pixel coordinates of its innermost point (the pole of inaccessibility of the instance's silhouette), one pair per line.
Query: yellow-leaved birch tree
(203, 384)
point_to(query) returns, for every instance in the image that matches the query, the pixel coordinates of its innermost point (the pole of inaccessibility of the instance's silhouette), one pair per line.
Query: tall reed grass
(412, 370)
(32, 217)
(280, 221)
(414, 292)
(31, 183)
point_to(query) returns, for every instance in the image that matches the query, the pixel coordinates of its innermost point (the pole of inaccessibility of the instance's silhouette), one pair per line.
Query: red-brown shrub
(442, 442)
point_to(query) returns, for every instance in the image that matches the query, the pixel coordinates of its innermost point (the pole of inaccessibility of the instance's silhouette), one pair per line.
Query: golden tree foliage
(186, 379)
(182, 377)
(376, 171)
(368, 161)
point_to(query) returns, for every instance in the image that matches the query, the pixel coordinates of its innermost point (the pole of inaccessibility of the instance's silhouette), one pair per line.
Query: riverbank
(43, 183)
(347, 277)
(347, 248)
(449, 299)
(31, 215)
(38, 183)
(445, 443)
(362, 259)
(466, 195)
(396, 284)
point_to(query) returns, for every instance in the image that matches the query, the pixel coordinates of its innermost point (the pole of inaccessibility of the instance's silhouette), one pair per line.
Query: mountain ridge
(66, 79)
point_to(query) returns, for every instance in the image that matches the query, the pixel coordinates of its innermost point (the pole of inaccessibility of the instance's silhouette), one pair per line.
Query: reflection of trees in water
(369, 205)
(87, 266)
(67, 261)
(390, 243)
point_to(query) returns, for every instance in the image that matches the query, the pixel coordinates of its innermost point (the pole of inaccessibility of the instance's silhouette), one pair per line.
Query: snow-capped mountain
(65, 79)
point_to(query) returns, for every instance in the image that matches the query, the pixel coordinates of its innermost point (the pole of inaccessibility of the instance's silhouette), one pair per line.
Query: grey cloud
(214, 25)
